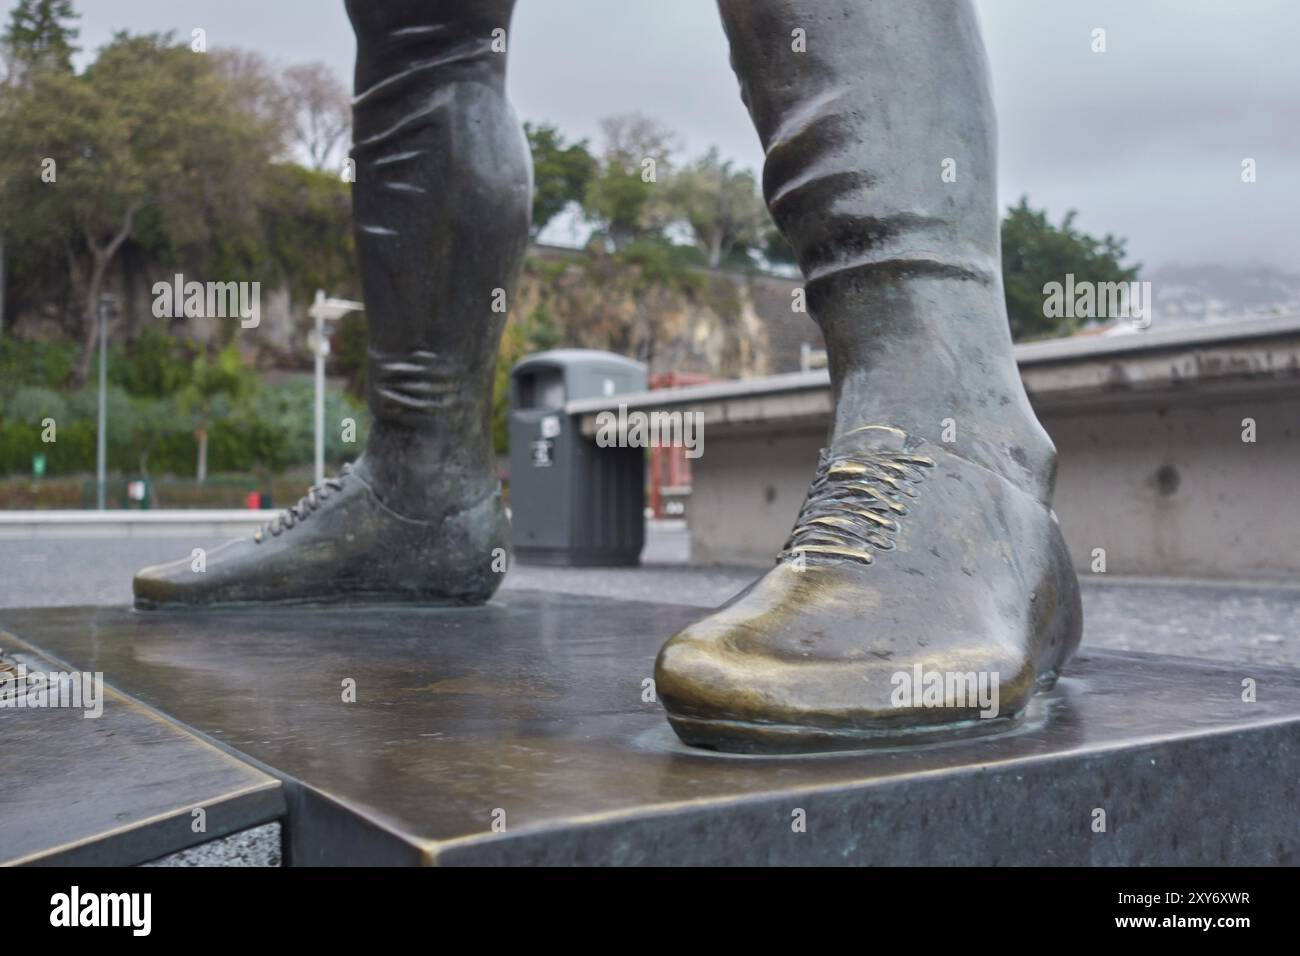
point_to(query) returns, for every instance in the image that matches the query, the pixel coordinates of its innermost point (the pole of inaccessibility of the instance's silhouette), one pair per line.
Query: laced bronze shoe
(854, 506)
(906, 562)
(440, 207)
(340, 543)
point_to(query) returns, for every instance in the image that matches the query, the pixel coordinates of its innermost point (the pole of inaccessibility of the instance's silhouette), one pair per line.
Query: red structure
(670, 469)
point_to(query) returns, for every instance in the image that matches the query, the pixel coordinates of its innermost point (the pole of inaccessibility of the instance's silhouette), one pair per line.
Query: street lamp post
(101, 442)
(325, 310)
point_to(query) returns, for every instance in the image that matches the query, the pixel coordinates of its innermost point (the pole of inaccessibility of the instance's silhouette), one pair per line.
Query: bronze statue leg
(926, 545)
(441, 206)
(903, 269)
(441, 201)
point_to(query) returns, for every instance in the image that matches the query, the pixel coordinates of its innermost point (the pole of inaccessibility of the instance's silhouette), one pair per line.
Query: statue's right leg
(441, 205)
(926, 554)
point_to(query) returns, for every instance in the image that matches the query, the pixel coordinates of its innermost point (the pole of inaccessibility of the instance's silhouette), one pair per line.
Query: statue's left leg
(441, 206)
(926, 555)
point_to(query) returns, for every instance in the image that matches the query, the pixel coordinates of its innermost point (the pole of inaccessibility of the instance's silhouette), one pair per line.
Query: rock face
(722, 324)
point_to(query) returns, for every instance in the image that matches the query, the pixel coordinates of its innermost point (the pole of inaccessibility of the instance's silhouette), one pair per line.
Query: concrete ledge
(215, 523)
(1206, 364)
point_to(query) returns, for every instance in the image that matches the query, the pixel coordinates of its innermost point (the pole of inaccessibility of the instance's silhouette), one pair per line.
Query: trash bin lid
(567, 358)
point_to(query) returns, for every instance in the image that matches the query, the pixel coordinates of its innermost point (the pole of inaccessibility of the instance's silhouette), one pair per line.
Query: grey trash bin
(572, 502)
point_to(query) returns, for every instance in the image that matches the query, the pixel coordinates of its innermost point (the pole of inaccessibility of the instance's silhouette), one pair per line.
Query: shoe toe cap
(190, 579)
(746, 679)
(160, 583)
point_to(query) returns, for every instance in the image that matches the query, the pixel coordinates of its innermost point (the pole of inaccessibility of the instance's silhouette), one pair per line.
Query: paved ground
(1257, 624)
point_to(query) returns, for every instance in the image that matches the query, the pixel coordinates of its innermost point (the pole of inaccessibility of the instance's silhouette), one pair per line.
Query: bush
(149, 366)
(279, 422)
(40, 364)
(269, 429)
(33, 404)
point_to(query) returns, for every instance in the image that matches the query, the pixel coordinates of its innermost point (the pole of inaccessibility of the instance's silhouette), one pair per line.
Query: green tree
(212, 379)
(721, 205)
(561, 172)
(40, 37)
(44, 364)
(257, 88)
(321, 112)
(543, 331)
(279, 423)
(1035, 252)
(152, 421)
(305, 233)
(149, 367)
(148, 126)
(626, 197)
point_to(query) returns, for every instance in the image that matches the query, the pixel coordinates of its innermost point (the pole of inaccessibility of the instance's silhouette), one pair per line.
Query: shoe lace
(311, 501)
(854, 505)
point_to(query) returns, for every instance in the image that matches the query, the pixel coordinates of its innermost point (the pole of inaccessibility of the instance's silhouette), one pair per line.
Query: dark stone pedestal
(519, 733)
(117, 789)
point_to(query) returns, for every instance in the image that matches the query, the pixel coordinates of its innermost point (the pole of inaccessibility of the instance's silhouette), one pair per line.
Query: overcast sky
(1146, 140)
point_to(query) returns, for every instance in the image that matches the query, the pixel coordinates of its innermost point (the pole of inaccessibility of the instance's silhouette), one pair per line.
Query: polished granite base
(525, 733)
(115, 789)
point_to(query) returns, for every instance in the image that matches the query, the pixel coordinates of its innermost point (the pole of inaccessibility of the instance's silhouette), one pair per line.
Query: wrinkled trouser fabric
(441, 208)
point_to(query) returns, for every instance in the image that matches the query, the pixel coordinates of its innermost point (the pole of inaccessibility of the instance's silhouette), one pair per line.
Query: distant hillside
(1193, 294)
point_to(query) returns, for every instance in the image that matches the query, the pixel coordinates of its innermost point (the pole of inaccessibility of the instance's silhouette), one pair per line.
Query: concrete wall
(746, 494)
(1173, 490)
(1166, 490)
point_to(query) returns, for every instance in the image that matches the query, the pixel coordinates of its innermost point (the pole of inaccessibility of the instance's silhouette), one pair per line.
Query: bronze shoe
(908, 567)
(340, 543)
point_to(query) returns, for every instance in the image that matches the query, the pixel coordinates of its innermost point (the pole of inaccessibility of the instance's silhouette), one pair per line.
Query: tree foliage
(1035, 252)
(211, 380)
(627, 198)
(561, 172)
(148, 126)
(721, 205)
(320, 111)
(39, 37)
